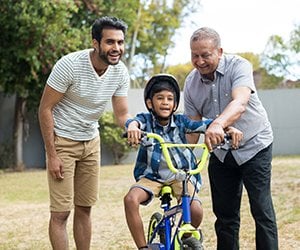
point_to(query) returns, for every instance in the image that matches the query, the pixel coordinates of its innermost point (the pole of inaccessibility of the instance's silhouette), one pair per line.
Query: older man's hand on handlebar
(134, 134)
(214, 135)
(235, 135)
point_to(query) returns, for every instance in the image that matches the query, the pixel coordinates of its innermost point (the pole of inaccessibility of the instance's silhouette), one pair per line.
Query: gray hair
(207, 33)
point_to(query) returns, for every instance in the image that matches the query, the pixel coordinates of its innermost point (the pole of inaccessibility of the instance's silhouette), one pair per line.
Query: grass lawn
(24, 210)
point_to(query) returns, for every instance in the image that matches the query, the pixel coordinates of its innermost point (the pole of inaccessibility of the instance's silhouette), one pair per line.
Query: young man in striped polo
(77, 90)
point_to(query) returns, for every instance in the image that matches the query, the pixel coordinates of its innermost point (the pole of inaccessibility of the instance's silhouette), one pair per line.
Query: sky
(244, 25)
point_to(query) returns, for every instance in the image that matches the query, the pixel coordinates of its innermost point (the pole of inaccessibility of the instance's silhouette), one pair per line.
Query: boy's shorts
(81, 166)
(153, 189)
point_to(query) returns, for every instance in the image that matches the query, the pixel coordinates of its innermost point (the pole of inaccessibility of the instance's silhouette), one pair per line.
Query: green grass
(28, 186)
(24, 210)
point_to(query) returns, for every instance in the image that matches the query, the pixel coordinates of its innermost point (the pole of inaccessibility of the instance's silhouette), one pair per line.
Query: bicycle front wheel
(191, 244)
(160, 235)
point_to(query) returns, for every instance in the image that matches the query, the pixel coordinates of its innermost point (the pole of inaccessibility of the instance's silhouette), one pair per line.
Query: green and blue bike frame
(172, 239)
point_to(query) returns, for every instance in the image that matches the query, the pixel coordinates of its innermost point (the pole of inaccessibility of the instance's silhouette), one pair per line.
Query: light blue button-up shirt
(209, 99)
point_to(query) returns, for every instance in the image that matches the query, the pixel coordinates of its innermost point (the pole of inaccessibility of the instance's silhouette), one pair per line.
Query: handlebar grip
(125, 134)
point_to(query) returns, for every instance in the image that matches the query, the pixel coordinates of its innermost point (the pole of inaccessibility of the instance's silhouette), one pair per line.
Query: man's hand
(236, 136)
(56, 168)
(214, 135)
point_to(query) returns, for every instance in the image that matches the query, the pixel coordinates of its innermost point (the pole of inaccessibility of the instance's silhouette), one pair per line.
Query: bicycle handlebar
(165, 145)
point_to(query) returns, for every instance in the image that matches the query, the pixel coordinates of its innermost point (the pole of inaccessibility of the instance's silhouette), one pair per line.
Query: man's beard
(104, 58)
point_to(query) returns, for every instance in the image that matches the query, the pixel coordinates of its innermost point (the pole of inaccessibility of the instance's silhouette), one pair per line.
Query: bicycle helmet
(161, 82)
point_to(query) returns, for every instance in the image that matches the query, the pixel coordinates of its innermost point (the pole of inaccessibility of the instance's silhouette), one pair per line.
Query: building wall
(281, 105)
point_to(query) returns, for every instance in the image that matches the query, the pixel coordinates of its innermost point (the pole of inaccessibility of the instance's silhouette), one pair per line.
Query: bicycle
(162, 227)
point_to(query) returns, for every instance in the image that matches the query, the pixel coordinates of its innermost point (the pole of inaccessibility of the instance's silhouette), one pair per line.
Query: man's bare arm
(49, 99)
(120, 107)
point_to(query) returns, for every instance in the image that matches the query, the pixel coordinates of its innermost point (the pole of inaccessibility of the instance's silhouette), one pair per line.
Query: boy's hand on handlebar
(134, 134)
(235, 135)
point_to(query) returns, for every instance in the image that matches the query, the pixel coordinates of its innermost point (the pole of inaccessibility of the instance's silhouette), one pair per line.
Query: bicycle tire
(154, 220)
(191, 244)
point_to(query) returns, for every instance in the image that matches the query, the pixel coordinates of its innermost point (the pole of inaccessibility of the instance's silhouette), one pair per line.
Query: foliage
(154, 29)
(266, 80)
(262, 78)
(111, 137)
(282, 57)
(34, 34)
(6, 155)
(31, 42)
(87, 12)
(254, 59)
(295, 39)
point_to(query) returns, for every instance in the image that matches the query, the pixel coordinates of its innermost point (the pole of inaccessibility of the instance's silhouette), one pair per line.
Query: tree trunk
(133, 44)
(134, 38)
(18, 133)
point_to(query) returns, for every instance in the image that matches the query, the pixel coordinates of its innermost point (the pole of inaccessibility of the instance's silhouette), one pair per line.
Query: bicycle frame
(184, 224)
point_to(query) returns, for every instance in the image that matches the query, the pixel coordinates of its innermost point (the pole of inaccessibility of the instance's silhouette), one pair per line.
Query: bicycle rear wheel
(160, 235)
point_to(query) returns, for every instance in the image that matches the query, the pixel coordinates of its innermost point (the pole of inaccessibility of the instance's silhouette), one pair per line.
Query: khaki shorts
(80, 185)
(153, 189)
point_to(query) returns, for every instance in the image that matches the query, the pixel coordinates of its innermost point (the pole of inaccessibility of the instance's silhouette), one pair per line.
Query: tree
(156, 23)
(262, 78)
(111, 137)
(33, 35)
(254, 59)
(265, 80)
(281, 57)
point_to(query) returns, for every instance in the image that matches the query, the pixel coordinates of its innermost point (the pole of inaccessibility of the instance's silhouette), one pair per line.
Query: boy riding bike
(161, 96)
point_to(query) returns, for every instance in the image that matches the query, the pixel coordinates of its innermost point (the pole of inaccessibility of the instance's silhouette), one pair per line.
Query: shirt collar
(220, 70)
(221, 65)
(171, 124)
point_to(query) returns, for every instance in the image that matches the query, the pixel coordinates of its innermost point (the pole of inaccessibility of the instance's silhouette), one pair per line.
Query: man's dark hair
(107, 22)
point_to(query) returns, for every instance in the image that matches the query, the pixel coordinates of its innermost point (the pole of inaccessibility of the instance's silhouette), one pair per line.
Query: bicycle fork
(185, 226)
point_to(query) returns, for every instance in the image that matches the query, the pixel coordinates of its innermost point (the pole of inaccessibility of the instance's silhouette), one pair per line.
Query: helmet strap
(159, 118)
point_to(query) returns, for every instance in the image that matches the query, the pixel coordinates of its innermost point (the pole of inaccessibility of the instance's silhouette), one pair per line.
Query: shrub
(111, 137)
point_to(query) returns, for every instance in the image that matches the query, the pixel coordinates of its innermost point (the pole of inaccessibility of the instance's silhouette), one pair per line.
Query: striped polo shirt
(85, 94)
